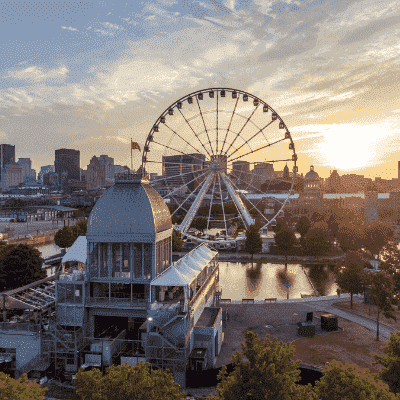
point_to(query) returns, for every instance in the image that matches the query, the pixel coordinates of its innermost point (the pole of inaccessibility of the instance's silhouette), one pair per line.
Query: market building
(124, 300)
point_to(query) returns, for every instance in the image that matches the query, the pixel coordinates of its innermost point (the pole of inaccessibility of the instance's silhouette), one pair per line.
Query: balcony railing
(19, 326)
(72, 277)
(117, 301)
(204, 285)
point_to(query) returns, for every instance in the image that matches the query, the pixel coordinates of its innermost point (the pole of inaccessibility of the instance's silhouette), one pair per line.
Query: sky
(93, 75)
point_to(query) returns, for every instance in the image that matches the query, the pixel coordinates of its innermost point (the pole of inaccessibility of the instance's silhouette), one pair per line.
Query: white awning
(86, 365)
(184, 271)
(77, 252)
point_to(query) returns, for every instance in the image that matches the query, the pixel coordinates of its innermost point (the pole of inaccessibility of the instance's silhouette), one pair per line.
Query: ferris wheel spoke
(201, 114)
(247, 121)
(247, 141)
(184, 226)
(261, 148)
(238, 201)
(176, 133)
(230, 122)
(170, 177)
(223, 207)
(216, 152)
(187, 198)
(211, 201)
(268, 221)
(185, 184)
(171, 148)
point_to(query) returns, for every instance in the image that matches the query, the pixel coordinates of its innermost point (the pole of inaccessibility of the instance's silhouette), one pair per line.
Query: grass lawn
(354, 345)
(371, 311)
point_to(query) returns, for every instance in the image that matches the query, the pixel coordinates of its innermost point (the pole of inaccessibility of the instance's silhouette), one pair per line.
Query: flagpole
(131, 158)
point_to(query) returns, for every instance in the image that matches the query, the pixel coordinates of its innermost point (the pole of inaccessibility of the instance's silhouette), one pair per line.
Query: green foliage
(390, 256)
(253, 242)
(379, 287)
(65, 237)
(350, 238)
(345, 381)
(20, 265)
(316, 243)
(199, 223)
(20, 389)
(350, 276)
(266, 375)
(177, 241)
(127, 382)
(376, 236)
(390, 373)
(303, 226)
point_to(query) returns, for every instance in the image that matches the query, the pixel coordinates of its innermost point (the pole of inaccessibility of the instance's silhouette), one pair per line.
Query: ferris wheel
(216, 147)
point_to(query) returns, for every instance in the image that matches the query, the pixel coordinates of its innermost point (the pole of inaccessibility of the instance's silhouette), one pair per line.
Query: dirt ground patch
(371, 311)
(354, 345)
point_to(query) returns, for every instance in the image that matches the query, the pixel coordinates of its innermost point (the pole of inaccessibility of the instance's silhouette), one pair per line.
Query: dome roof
(311, 175)
(128, 212)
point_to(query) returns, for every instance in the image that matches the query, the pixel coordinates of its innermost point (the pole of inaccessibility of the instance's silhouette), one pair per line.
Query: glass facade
(163, 255)
(69, 293)
(125, 260)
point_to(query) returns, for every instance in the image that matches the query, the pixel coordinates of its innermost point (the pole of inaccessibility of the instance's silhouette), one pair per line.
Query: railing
(72, 277)
(117, 301)
(19, 326)
(203, 286)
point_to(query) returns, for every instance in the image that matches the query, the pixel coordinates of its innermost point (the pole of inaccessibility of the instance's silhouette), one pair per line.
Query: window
(104, 260)
(116, 260)
(60, 293)
(137, 247)
(94, 260)
(126, 260)
(148, 260)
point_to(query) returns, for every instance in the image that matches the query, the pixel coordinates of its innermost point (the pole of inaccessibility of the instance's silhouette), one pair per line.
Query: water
(237, 284)
(49, 250)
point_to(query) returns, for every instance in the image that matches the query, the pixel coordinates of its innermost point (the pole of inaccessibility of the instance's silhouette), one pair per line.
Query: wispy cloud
(36, 74)
(69, 28)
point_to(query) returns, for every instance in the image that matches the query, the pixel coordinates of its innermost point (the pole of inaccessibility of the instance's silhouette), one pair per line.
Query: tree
(333, 222)
(253, 242)
(390, 373)
(379, 287)
(316, 243)
(20, 265)
(345, 381)
(376, 236)
(177, 241)
(285, 240)
(20, 389)
(303, 226)
(80, 229)
(65, 237)
(390, 263)
(350, 277)
(125, 381)
(350, 238)
(199, 224)
(268, 373)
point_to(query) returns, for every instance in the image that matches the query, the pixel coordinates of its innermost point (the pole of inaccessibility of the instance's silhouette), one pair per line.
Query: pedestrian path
(369, 323)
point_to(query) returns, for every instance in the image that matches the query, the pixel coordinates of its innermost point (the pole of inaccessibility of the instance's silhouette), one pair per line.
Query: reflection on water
(238, 281)
(49, 250)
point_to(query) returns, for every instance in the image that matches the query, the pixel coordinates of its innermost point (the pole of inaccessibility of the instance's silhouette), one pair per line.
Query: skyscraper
(67, 160)
(7, 153)
(26, 165)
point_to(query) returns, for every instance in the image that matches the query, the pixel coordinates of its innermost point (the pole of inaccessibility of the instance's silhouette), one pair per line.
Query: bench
(271, 300)
(247, 301)
(225, 301)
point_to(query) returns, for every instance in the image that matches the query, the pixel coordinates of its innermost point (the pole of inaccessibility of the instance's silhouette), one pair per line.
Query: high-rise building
(26, 165)
(96, 173)
(33, 174)
(44, 170)
(7, 153)
(67, 160)
(109, 167)
(180, 170)
(11, 175)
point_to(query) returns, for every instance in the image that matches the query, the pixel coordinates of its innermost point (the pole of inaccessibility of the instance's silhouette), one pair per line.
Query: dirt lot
(354, 345)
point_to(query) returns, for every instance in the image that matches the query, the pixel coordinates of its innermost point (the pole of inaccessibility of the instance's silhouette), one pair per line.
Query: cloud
(69, 28)
(37, 74)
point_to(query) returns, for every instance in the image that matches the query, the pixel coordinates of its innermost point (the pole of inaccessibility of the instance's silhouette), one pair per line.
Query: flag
(135, 145)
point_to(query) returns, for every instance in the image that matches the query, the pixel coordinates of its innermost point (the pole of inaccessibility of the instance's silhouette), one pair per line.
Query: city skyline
(90, 77)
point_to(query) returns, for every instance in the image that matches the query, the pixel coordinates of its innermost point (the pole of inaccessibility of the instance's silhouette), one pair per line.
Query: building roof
(59, 208)
(77, 252)
(208, 317)
(184, 271)
(128, 211)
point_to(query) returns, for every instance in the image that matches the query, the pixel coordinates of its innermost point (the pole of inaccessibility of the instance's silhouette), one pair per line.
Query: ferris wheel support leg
(238, 201)
(185, 225)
